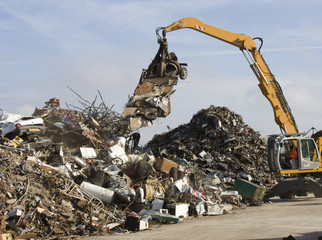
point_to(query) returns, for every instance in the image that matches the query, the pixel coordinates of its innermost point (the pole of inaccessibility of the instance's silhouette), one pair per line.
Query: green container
(248, 189)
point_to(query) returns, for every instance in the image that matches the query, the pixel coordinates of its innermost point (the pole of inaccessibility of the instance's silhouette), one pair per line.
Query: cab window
(309, 152)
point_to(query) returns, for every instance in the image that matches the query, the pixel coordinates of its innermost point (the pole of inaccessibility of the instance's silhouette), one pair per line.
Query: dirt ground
(300, 217)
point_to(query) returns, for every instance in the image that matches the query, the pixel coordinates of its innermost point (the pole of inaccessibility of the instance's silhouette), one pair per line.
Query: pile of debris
(38, 202)
(219, 142)
(84, 176)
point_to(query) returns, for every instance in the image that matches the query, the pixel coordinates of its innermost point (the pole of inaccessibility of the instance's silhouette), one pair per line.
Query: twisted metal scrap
(110, 122)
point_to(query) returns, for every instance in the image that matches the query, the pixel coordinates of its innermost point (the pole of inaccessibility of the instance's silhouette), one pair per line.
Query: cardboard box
(164, 165)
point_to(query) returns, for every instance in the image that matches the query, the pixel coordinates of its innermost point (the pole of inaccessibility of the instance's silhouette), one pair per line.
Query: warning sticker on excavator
(200, 28)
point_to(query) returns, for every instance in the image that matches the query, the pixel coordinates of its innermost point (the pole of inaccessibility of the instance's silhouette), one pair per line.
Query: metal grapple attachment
(151, 98)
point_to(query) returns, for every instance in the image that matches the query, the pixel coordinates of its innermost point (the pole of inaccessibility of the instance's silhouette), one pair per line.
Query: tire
(287, 195)
(117, 161)
(318, 194)
(301, 193)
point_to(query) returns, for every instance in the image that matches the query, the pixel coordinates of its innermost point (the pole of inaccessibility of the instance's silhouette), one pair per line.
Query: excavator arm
(267, 82)
(308, 162)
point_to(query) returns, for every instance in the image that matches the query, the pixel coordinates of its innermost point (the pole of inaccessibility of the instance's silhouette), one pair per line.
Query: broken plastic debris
(88, 152)
(117, 155)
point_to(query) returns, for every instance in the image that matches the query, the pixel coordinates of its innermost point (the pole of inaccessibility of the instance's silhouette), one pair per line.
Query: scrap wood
(71, 189)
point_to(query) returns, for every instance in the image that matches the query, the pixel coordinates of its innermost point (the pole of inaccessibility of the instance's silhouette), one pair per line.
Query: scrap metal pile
(79, 179)
(218, 141)
(41, 172)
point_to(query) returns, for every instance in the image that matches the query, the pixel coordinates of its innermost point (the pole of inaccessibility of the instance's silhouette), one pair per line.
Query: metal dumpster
(248, 189)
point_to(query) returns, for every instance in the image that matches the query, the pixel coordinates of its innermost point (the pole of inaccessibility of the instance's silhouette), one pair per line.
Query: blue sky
(103, 45)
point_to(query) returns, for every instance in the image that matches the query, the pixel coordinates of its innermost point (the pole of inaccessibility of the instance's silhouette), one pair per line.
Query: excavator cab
(292, 154)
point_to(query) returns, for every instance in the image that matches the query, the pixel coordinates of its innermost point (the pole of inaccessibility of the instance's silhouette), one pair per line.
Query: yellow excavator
(291, 155)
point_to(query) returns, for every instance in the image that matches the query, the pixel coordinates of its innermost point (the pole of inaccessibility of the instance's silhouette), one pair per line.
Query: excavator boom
(267, 82)
(238, 40)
